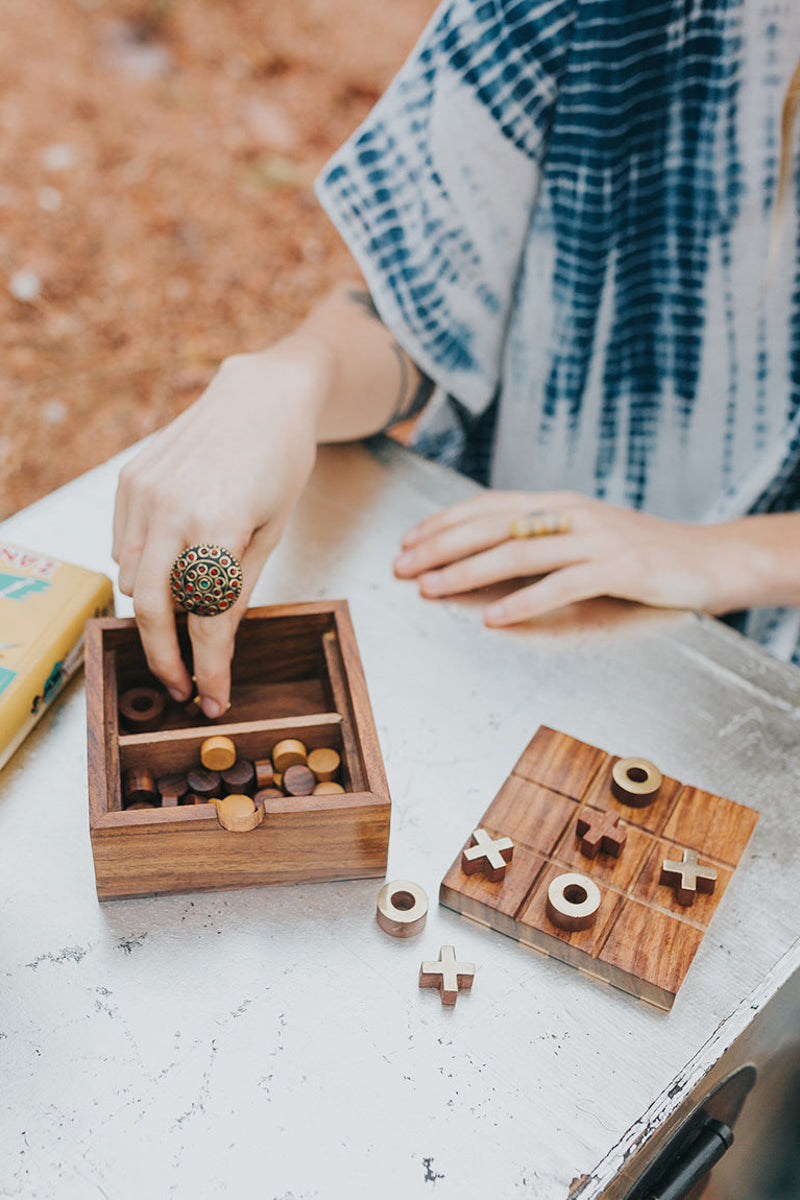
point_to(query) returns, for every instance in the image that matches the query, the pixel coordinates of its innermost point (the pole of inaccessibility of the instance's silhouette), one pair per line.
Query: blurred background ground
(156, 209)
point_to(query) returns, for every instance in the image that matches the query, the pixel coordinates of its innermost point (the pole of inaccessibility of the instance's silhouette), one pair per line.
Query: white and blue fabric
(563, 210)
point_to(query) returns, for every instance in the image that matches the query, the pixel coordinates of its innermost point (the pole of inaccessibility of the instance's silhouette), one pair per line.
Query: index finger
(155, 615)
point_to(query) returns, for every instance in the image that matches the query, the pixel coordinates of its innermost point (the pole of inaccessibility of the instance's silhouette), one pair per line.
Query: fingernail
(495, 614)
(404, 562)
(430, 584)
(211, 708)
(179, 694)
(409, 539)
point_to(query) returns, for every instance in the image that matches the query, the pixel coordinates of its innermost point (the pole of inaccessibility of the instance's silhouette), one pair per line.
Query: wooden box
(296, 673)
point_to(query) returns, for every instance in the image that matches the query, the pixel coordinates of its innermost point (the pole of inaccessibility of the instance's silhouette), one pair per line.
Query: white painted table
(274, 1042)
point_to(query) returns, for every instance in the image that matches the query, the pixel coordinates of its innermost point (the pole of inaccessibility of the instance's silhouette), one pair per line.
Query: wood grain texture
(711, 824)
(559, 762)
(182, 847)
(643, 939)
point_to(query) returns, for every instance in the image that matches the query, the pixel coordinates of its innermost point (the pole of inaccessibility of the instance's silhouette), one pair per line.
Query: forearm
(365, 380)
(759, 561)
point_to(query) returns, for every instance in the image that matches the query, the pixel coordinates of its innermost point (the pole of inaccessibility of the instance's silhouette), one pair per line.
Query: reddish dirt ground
(156, 208)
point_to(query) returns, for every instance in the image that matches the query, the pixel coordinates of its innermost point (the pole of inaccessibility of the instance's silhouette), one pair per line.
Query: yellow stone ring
(206, 580)
(539, 524)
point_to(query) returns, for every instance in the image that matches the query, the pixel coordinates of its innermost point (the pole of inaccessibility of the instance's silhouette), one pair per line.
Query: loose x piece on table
(601, 862)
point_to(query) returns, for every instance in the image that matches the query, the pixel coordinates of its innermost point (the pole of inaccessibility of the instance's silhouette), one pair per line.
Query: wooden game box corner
(296, 673)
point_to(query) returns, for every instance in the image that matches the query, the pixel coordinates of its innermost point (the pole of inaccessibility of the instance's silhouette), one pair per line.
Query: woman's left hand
(607, 551)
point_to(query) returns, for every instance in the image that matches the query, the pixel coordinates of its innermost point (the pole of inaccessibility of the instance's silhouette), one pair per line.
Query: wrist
(760, 561)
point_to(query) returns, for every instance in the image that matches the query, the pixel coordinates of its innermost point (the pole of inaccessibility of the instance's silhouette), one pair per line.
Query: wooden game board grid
(642, 941)
(298, 660)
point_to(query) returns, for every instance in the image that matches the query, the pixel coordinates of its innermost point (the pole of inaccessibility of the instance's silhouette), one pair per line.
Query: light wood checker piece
(642, 941)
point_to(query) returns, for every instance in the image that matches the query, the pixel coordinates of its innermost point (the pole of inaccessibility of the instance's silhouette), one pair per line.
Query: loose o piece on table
(402, 908)
(635, 781)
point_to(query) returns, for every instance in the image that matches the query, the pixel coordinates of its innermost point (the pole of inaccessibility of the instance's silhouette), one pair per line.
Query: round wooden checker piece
(402, 908)
(265, 794)
(142, 708)
(299, 780)
(239, 814)
(205, 784)
(635, 781)
(140, 804)
(287, 753)
(139, 787)
(217, 753)
(572, 901)
(325, 764)
(240, 778)
(328, 788)
(170, 786)
(265, 773)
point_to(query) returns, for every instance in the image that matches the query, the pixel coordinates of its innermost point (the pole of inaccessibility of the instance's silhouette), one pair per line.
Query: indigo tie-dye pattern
(563, 210)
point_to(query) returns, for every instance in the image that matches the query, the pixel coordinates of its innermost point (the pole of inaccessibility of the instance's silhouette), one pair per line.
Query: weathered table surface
(274, 1041)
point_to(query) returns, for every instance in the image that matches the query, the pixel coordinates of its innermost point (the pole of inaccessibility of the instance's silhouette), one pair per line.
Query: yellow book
(43, 606)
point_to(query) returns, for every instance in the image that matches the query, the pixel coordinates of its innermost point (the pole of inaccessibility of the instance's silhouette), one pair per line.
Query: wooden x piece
(688, 877)
(600, 831)
(487, 854)
(447, 974)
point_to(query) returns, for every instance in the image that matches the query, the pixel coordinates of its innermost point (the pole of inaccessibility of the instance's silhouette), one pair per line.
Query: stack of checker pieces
(643, 939)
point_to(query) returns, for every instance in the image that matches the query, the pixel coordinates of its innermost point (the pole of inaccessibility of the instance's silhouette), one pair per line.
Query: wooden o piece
(240, 779)
(142, 708)
(265, 773)
(205, 784)
(328, 788)
(572, 901)
(325, 763)
(402, 908)
(217, 753)
(138, 785)
(299, 780)
(141, 804)
(635, 781)
(239, 814)
(287, 753)
(447, 974)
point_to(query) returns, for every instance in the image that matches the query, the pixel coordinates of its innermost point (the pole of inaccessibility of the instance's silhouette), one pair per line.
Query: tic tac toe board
(642, 939)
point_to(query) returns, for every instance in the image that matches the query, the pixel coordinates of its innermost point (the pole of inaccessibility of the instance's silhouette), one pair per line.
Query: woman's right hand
(227, 471)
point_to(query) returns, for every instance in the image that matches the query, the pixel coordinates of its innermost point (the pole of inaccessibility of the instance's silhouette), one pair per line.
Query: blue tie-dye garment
(563, 210)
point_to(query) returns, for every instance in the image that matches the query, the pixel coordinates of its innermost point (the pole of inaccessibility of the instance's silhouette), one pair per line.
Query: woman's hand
(228, 471)
(607, 551)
